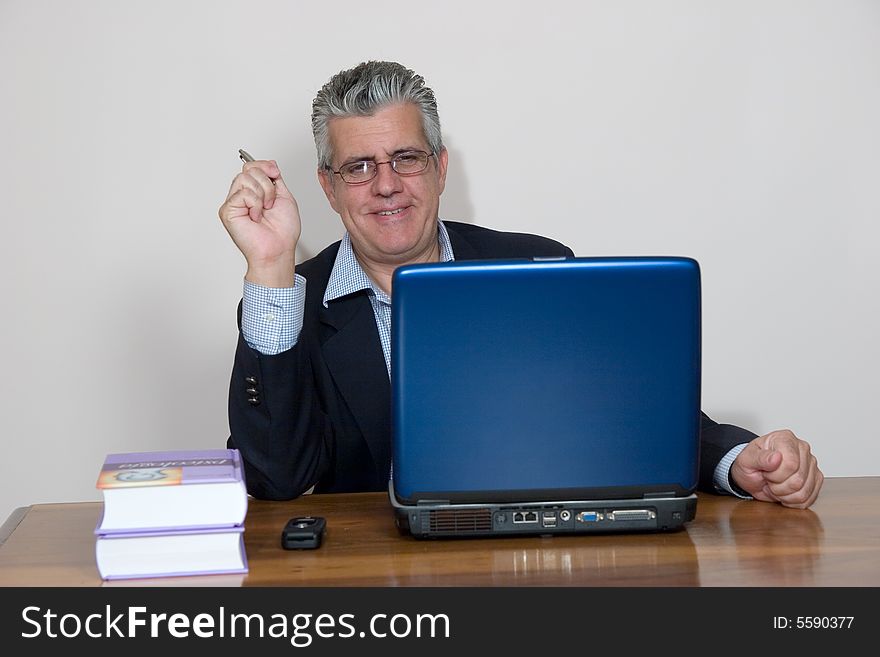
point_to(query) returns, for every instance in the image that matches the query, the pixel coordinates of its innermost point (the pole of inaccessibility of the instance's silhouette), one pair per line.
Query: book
(172, 490)
(170, 554)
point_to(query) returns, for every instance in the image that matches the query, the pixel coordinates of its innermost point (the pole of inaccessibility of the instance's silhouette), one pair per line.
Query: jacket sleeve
(715, 441)
(276, 421)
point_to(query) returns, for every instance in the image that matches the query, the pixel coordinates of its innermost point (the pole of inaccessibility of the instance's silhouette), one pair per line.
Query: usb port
(548, 518)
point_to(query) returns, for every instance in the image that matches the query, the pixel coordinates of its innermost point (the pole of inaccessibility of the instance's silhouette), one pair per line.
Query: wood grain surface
(730, 543)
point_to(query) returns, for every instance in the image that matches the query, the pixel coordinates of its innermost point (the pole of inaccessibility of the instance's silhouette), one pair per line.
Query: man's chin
(395, 242)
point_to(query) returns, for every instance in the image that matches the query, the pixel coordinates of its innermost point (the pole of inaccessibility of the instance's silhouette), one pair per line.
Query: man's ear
(326, 179)
(442, 161)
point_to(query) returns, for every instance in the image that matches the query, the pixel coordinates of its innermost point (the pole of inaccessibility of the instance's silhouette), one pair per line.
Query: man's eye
(356, 168)
(407, 158)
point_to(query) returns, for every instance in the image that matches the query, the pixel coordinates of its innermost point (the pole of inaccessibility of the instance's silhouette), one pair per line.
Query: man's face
(409, 234)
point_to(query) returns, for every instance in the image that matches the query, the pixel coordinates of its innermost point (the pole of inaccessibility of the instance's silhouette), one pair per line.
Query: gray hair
(364, 90)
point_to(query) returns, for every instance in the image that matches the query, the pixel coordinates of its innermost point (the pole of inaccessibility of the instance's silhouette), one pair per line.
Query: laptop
(545, 396)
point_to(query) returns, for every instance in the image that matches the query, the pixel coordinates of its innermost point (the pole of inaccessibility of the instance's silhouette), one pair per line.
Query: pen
(247, 157)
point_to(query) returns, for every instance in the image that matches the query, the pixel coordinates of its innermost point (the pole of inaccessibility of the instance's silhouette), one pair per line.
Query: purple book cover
(170, 468)
(178, 573)
(160, 491)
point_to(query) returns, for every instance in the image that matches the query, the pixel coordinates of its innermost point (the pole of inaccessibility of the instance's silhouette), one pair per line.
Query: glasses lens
(410, 162)
(405, 164)
(356, 172)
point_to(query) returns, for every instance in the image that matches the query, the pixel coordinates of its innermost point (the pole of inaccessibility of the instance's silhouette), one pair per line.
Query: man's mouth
(388, 213)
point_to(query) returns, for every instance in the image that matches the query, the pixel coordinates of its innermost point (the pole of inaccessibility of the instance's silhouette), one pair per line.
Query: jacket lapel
(354, 357)
(353, 354)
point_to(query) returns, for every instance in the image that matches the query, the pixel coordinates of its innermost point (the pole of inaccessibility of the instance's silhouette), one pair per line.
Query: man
(309, 400)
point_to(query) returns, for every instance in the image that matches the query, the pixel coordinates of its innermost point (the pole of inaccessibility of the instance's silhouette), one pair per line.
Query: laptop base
(445, 520)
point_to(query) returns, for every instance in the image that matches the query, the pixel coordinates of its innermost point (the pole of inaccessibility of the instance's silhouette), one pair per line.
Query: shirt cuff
(721, 475)
(272, 317)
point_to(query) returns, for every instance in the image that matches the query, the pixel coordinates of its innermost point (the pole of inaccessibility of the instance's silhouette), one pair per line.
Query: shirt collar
(348, 277)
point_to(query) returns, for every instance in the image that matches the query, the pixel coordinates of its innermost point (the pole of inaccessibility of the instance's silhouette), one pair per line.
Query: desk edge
(13, 521)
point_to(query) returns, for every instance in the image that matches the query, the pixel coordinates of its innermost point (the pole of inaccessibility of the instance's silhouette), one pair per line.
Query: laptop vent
(464, 520)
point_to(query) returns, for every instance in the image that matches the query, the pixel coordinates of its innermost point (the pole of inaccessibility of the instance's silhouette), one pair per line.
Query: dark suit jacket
(320, 413)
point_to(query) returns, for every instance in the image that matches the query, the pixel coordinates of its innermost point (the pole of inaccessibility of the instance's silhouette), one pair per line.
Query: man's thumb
(768, 460)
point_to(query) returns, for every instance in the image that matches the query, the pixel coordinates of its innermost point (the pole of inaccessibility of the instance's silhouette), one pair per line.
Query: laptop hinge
(655, 496)
(431, 502)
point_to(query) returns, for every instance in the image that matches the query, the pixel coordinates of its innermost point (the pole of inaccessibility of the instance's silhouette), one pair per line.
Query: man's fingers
(757, 467)
(784, 460)
(259, 177)
(820, 479)
(755, 458)
(804, 497)
(766, 495)
(253, 189)
(259, 184)
(281, 188)
(768, 460)
(243, 202)
(779, 467)
(268, 167)
(801, 488)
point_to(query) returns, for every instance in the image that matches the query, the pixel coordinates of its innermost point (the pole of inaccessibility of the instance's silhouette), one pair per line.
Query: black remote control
(303, 533)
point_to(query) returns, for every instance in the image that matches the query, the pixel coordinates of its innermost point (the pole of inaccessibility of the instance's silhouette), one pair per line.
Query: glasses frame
(390, 162)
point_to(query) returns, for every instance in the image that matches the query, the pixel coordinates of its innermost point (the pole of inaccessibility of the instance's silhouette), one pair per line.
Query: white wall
(744, 134)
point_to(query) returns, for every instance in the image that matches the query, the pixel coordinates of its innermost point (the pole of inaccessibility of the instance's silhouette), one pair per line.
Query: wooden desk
(730, 543)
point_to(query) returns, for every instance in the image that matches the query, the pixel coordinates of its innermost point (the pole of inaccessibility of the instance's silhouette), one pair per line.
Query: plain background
(743, 134)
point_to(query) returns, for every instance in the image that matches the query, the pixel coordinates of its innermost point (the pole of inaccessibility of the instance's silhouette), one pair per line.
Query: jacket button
(250, 380)
(252, 391)
(254, 401)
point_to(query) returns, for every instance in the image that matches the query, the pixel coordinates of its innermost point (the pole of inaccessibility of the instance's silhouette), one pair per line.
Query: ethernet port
(522, 517)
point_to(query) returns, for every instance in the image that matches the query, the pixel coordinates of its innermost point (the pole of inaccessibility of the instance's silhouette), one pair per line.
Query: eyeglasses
(407, 163)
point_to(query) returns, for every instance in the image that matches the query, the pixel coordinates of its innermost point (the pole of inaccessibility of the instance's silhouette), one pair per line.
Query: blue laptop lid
(566, 378)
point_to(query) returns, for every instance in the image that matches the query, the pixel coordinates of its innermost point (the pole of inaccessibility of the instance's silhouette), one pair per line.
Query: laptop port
(520, 517)
(588, 516)
(548, 518)
(632, 514)
(564, 516)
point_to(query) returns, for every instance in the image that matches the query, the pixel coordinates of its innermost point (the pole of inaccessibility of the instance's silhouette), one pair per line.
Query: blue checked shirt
(271, 318)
